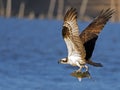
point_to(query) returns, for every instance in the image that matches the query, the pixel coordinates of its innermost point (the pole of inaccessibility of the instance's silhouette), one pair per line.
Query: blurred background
(31, 45)
(55, 9)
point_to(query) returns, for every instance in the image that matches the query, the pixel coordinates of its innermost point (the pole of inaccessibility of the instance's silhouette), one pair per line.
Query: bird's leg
(79, 70)
(86, 68)
(80, 67)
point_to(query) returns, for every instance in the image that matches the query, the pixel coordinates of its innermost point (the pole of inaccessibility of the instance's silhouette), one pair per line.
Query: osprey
(81, 45)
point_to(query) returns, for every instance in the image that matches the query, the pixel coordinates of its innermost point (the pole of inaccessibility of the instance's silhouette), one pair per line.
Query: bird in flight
(81, 45)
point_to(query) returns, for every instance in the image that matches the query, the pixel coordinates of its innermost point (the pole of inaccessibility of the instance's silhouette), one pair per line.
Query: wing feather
(70, 33)
(90, 34)
(97, 24)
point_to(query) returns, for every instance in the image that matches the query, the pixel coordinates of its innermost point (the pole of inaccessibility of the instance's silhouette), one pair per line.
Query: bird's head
(63, 60)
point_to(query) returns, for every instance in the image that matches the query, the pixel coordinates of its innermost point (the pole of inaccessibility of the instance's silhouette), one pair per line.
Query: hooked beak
(59, 61)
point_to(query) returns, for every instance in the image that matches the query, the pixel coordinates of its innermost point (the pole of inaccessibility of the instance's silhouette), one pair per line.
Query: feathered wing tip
(106, 14)
(71, 14)
(70, 21)
(96, 26)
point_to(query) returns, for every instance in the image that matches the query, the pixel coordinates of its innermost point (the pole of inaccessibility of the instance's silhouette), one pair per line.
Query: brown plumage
(70, 31)
(90, 34)
(80, 46)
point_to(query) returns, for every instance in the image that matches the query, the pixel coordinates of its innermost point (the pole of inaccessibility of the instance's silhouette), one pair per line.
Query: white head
(63, 61)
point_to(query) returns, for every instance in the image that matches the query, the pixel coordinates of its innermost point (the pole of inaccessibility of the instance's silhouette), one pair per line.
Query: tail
(94, 64)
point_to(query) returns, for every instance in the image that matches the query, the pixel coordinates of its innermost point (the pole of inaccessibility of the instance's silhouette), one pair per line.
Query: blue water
(30, 50)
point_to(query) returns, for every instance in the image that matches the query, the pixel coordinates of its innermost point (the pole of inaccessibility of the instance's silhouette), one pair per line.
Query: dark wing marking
(90, 34)
(70, 34)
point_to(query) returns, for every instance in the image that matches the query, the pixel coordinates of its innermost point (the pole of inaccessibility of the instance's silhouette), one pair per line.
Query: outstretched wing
(90, 34)
(70, 33)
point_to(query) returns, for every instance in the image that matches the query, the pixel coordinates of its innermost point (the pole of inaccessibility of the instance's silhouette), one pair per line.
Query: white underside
(75, 60)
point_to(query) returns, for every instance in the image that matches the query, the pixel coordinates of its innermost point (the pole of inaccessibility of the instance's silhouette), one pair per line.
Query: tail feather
(94, 63)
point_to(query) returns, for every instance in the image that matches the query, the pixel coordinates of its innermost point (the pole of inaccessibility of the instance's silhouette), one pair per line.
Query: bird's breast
(74, 59)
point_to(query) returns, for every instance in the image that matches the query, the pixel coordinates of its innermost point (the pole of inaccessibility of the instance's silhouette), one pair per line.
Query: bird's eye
(64, 60)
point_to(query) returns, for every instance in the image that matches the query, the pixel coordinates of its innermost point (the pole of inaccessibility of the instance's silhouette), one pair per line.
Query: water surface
(30, 50)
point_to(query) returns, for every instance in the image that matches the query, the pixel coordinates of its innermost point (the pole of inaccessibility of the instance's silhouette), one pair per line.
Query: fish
(79, 75)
